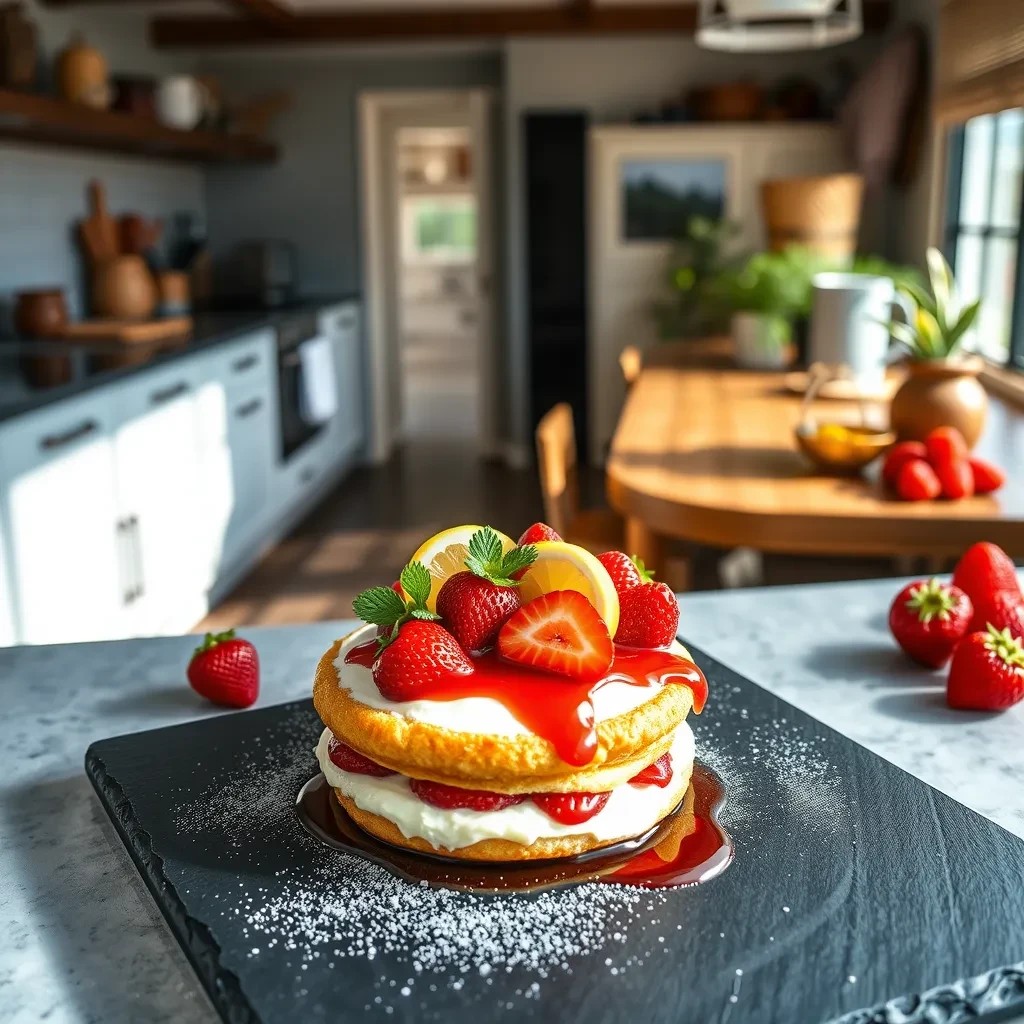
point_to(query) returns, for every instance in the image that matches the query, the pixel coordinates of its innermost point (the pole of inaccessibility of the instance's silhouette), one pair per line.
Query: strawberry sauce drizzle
(557, 708)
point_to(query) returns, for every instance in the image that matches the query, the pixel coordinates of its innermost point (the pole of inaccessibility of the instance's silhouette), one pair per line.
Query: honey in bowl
(839, 447)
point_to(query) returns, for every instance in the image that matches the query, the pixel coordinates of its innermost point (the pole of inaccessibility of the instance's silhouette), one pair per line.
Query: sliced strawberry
(658, 774)
(452, 798)
(571, 808)
(987, 672)
(987, 478)
(536, 533)
(559, 632)
(648, 616)
(349, 760)
(626, 572)
(423, 656)
(899, 453)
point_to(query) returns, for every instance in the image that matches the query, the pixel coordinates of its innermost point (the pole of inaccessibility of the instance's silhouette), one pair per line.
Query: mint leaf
(425, 614)
(415, 580)
(484, 551)
(380, 606)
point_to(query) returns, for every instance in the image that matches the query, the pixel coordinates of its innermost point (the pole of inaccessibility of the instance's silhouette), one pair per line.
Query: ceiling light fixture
(765, 26)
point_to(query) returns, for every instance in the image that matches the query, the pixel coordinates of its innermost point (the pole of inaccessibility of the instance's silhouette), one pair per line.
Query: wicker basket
(821, 213)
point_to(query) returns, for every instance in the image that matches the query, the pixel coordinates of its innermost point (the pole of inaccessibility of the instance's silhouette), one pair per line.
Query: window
(983, 229)
(439, 229)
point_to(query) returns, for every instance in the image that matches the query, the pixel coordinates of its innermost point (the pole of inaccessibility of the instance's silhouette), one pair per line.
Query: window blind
(981, 58)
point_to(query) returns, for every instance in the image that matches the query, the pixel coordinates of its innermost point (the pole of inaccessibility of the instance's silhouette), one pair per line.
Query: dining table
(706, 452)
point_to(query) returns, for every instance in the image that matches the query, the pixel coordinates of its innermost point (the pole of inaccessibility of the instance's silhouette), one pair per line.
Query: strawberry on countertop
(987, 673)
(983, 570)
(1004, 609)
(475, 604)
(558, 632)
(928, 618)
(225, 669)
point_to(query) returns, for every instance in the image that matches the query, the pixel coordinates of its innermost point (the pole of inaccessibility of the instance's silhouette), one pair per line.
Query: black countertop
(34, 374)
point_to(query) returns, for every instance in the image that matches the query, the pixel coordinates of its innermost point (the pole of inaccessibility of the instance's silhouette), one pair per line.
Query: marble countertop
(80, 937)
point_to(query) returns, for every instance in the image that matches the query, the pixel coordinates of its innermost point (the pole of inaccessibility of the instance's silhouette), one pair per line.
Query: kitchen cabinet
(160, 492)
(348, 432)
(8, 631)
(71, 552)
(238, 446)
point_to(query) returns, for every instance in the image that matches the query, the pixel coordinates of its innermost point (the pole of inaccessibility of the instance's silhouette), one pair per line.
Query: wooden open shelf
(31, 118)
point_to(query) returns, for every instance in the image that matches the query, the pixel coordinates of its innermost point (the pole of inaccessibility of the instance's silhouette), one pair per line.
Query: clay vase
(940, 393)
(123, 289)
(82, 75)
(40, 313)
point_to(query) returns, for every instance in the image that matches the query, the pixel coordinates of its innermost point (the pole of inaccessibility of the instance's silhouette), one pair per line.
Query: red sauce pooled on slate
(557, 708)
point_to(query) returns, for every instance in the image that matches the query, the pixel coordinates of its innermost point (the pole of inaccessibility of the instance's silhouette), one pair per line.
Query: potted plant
(764, 296)
(942, 386)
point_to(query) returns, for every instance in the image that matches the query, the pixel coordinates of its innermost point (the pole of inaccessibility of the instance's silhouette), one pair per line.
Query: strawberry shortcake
(510, 701)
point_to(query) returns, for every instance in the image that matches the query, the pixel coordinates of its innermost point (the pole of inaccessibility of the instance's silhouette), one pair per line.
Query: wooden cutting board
(853, 884)
(127, 331)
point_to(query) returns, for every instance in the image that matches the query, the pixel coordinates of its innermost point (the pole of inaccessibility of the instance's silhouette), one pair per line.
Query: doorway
(428, 255)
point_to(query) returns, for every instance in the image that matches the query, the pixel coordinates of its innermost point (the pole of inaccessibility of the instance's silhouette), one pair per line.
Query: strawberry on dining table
(897, 455)
(225, 669)
(928, 619)
(917, 481)
(987, 672)
(559, 632)
(476, 603)
(987, 477)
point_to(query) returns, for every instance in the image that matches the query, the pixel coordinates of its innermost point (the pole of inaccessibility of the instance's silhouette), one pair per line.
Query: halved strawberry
(559, 632)
(350, 760)
(455, 797)
(657, 774)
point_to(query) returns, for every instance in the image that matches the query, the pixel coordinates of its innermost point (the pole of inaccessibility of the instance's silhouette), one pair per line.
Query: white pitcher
(181, 101)
(848, 321)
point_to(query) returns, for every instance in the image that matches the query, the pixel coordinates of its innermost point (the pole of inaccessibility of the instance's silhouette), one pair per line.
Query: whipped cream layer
(476, 714)
(630, 811)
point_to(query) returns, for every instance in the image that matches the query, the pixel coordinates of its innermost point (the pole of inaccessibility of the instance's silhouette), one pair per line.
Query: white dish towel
(318, 391)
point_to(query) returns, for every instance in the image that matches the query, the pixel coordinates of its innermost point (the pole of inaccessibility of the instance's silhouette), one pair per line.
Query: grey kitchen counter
(80, 938)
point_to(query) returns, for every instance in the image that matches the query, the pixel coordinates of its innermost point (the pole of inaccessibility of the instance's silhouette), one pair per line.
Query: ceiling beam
(415, 24)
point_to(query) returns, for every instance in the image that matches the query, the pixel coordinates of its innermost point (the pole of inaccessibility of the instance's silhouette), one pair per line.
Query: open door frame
(376, 190)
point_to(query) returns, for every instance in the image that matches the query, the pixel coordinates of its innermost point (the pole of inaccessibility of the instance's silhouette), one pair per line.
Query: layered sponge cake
(509, 701)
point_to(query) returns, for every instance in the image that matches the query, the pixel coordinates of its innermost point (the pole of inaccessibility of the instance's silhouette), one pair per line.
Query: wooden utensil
(123, 288)
(127, 331)
(137, 234)
(99, 229)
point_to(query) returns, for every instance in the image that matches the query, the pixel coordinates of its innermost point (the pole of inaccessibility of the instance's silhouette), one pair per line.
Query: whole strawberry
(648, 616)
(983, 570)
(626, 572)
(225, 669)
(422, 657)
(987, 673)
(928, 618)
(1004, 609)
(475, 604)
(536, 533)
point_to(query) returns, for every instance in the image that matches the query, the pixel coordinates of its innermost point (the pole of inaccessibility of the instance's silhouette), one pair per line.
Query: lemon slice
(445, 554)
(562, 566)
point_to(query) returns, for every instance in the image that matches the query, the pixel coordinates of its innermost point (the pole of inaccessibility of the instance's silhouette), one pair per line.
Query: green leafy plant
(772, 283)
(937, 322)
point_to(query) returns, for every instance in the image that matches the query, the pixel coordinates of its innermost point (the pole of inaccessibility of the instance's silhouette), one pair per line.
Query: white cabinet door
(8, 634)
(341, 324)
(67, 542)
(161, 492)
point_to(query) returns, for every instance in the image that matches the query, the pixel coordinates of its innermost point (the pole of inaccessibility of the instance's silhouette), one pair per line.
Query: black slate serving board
(857, 894)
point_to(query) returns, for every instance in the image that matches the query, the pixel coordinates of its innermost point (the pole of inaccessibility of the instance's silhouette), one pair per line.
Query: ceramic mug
(181, 101)
(848, 319)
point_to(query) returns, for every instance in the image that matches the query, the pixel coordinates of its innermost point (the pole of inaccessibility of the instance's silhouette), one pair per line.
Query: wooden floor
(365, 531)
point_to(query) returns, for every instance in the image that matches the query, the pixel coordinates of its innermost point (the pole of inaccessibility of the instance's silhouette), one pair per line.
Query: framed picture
(659, 196)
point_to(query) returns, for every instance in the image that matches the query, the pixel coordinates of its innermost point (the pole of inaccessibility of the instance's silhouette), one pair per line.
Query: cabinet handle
(245, 363)
(124, 558)
(138, 589)
(291, 359)
(249, 408)
(84, 429)
(166, 394)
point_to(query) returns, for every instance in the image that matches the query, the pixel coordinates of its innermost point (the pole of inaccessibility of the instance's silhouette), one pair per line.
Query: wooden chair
(597, 529)
(631, 362)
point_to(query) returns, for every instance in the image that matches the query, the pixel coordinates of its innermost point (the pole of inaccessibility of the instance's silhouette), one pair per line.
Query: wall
(612, 80)
(311, 196)
(42, 190)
